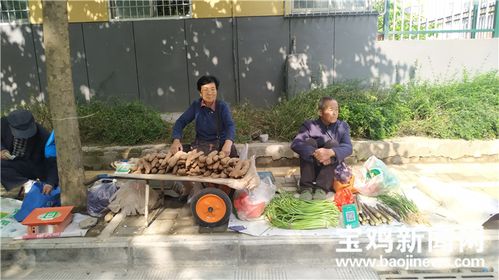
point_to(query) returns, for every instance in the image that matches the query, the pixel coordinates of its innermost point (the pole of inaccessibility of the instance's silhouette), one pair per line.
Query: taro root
(240, 169)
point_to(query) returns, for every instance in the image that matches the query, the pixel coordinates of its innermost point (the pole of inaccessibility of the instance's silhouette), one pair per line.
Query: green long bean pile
(288, 212)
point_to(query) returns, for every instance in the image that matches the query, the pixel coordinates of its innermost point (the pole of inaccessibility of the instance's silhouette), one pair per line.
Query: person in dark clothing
(23, 153)
(215, 128)
(321, 144)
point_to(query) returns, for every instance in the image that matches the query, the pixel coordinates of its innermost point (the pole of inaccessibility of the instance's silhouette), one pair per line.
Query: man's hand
(47, 189)
(226, 148)
(327, 162)
(176, 146)
(6, 155)
(324, 155)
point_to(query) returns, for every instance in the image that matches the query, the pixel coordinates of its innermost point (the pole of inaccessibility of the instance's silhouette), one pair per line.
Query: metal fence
(443, 19)
(327, 7)
(14, 10)
(149, 9)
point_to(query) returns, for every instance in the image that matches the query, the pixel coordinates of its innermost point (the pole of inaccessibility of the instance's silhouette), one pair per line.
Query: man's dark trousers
(17, 172)
(314, 174)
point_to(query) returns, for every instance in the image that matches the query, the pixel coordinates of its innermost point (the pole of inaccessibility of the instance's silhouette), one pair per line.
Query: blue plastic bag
(36, 199)
(98, 197)
(50, 151)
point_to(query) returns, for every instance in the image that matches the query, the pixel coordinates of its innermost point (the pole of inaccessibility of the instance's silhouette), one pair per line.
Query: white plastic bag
(9, 227)
(375, 178)
(243, 155)
(250, 204)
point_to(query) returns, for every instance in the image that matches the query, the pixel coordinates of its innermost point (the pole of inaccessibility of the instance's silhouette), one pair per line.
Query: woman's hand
(176, 146)
(227, 147)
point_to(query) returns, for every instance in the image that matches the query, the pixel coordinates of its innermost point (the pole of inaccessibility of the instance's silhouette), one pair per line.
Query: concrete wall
(159, 46)
(210, 46)
(313, 39)
(158, 62)
(354, 53)
(98, 10)
(78, 11)
(263, 44)
(434, 60)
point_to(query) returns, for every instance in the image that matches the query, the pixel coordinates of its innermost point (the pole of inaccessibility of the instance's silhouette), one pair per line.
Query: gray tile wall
(158, 62)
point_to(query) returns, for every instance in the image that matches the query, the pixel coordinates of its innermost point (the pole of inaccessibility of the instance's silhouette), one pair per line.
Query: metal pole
(496, 20)
(394, 24)
(146, 205)
(461, 19)
(386, 20)
(411, 16)
(475, 18)
(235, 55)
(402, 12)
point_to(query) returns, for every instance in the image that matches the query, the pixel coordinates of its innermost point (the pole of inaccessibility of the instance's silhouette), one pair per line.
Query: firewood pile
(215, 164)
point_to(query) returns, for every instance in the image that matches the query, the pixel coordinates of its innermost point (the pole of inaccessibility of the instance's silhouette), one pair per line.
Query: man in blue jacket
(23, 153)
(322, 144)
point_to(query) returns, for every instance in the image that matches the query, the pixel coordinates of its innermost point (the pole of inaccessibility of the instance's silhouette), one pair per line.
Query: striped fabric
(19, 147)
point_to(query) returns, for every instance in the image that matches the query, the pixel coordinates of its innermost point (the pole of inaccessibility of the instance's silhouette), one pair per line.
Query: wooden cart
(210, 207)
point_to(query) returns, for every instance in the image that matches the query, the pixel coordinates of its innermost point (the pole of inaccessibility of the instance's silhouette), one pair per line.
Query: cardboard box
(48, 220)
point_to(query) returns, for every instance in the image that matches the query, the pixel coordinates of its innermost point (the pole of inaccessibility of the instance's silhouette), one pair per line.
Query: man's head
(22, 124)
(328, 110)
(208, 88)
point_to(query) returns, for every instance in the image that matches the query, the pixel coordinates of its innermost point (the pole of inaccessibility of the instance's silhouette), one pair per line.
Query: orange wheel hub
(211, 208)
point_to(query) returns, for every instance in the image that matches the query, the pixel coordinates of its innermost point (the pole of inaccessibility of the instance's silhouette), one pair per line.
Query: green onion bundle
(402, 206)
(288, 212)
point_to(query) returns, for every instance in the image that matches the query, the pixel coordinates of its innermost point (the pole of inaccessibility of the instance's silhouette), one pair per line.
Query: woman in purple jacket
(322, 144)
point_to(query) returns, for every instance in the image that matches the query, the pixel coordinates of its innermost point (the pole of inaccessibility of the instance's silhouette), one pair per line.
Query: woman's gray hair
(324, 100)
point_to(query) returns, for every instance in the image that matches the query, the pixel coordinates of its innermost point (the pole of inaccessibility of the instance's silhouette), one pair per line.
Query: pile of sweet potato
(215, 164)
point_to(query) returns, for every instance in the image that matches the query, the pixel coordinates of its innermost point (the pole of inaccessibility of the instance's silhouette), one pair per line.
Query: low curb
(272, 154)
(216, 250)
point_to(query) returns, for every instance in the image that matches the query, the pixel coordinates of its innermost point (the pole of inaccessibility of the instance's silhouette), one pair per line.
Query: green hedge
(120, 123)
(468, 109)
(371, 113)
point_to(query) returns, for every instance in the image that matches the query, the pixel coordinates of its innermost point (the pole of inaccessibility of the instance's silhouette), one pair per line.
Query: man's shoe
(306, 194)
(319, 194)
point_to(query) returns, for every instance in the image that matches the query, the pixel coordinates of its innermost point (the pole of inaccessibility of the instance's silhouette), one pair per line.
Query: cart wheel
(211, 207)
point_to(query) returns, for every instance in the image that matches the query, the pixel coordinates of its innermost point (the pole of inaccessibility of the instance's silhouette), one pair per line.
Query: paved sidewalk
(482, 177)
(175, 218)
(124, 249)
